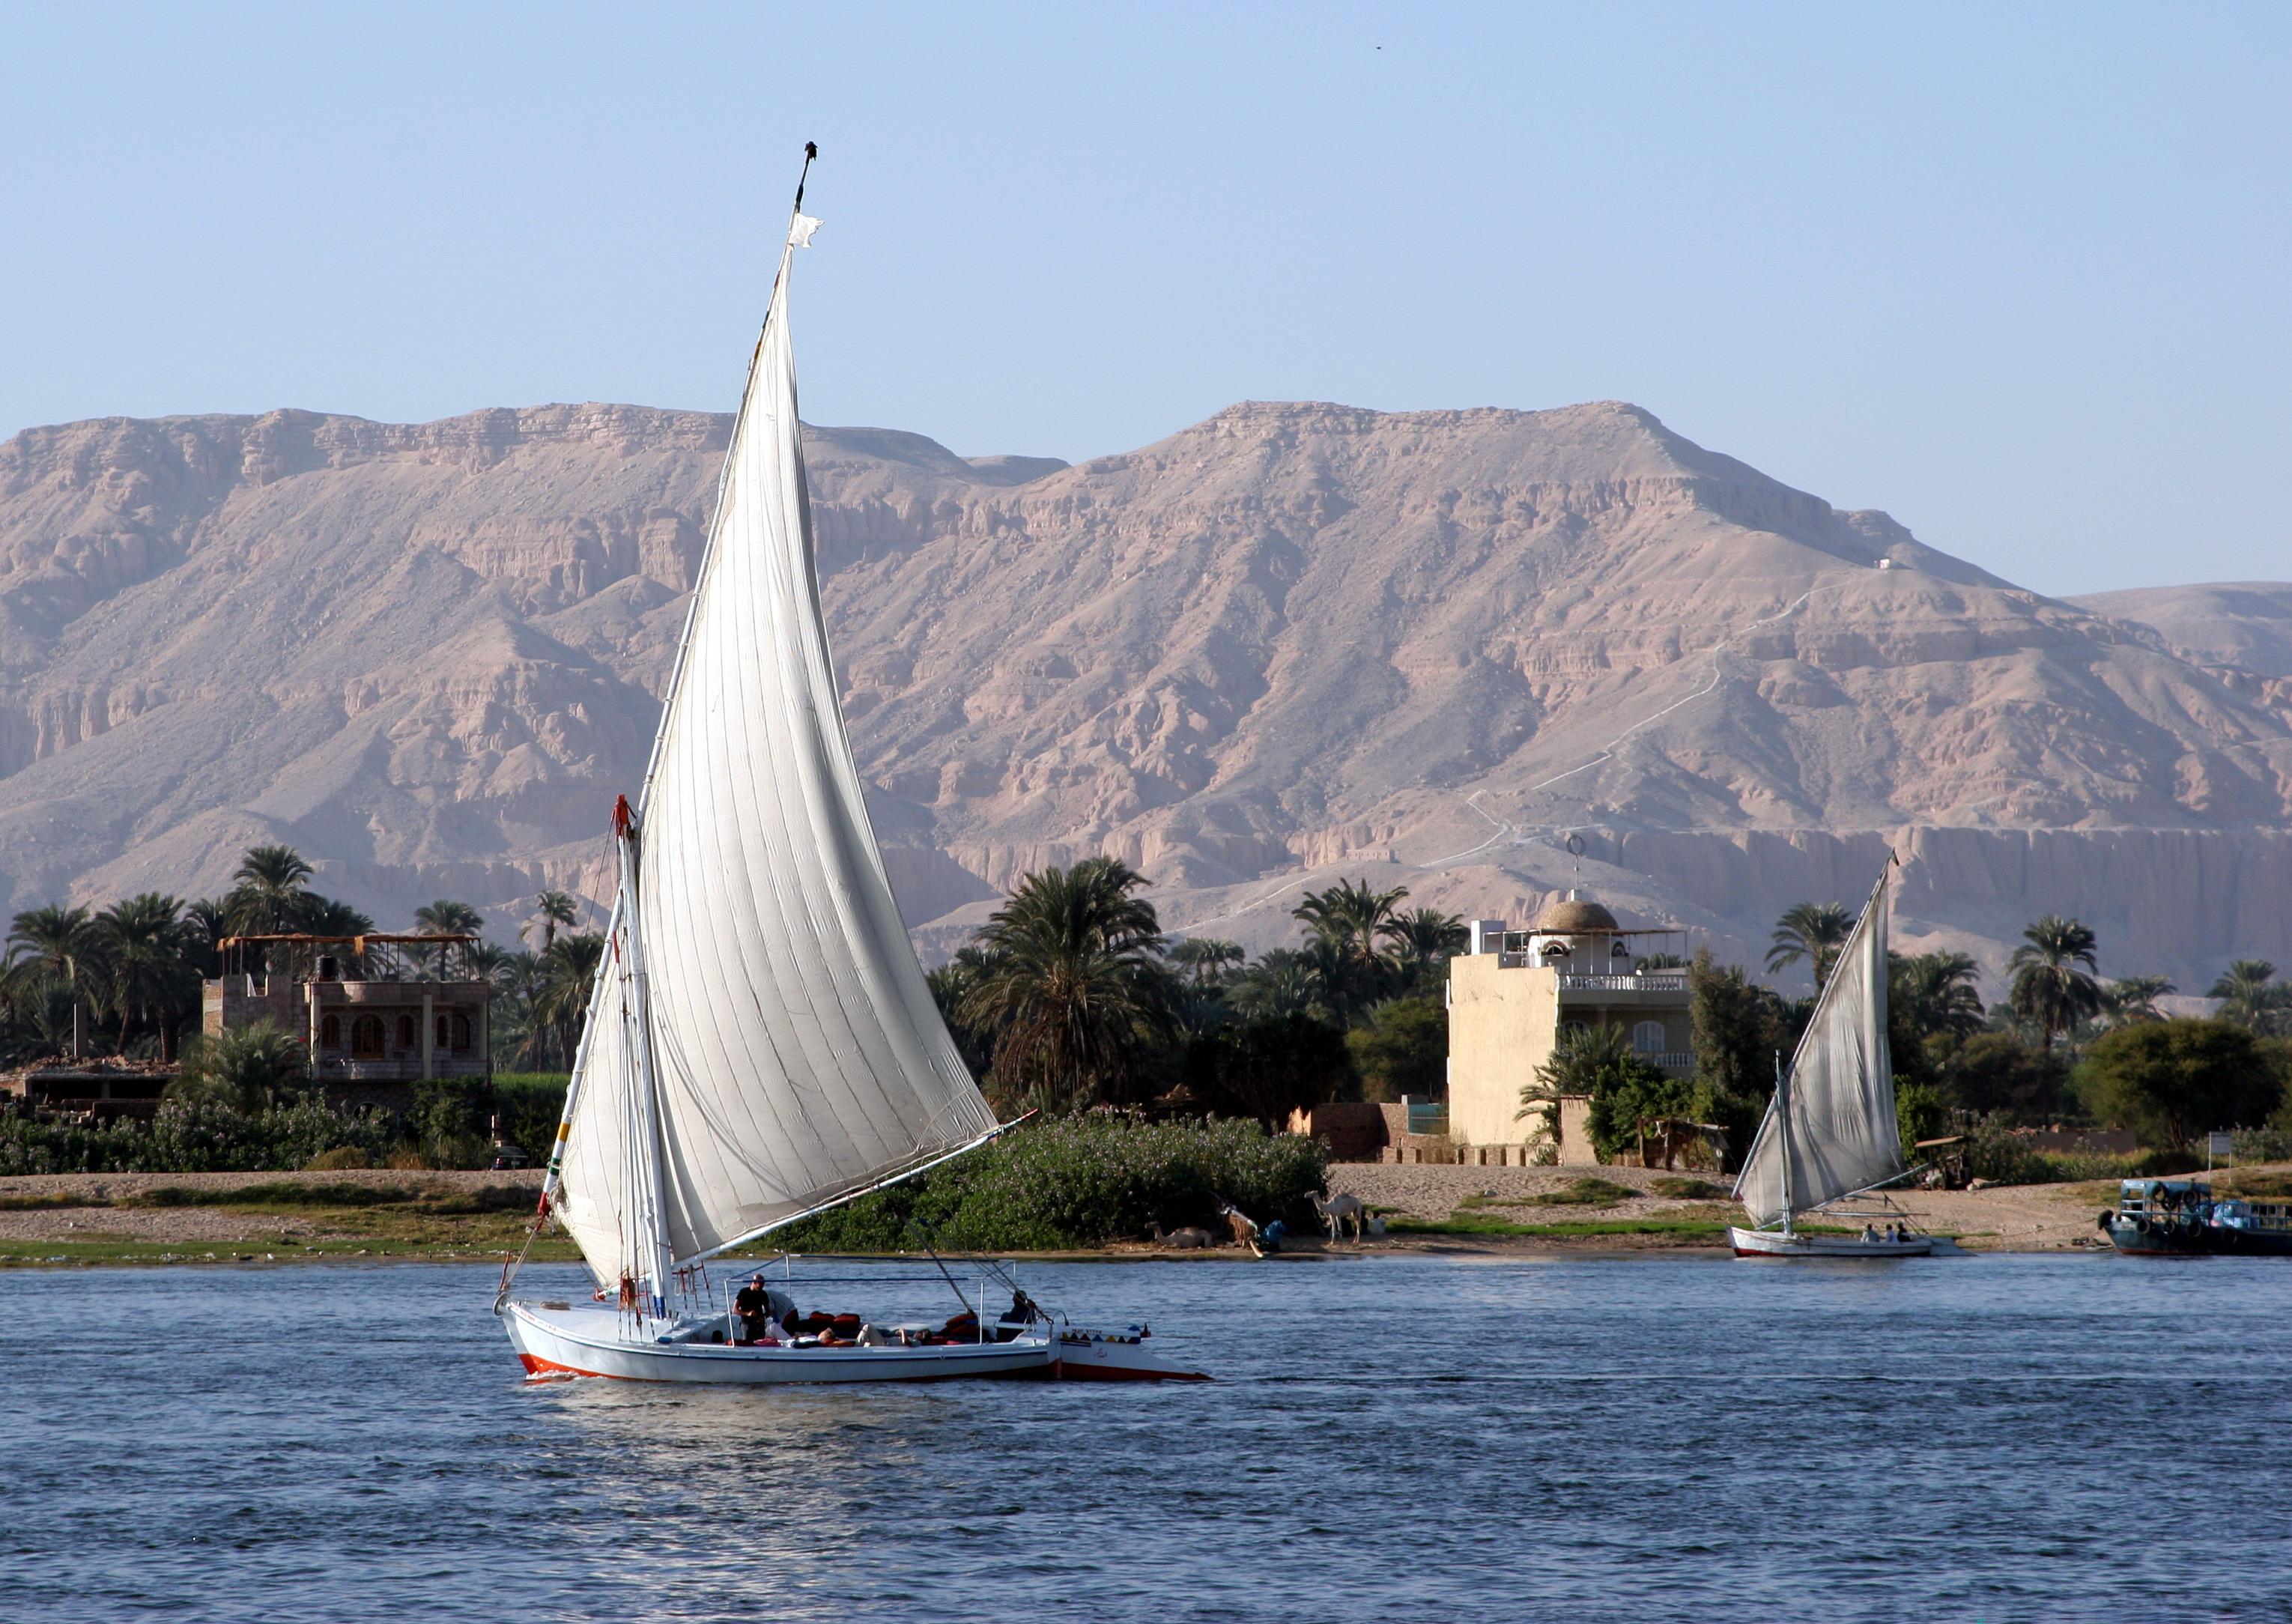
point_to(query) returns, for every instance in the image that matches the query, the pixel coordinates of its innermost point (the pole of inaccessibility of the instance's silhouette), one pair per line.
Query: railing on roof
(1640, 981)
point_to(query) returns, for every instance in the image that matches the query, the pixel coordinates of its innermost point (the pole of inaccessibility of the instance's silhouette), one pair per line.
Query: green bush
(1689, 1189)
(338, 1159)
(448, 1123)
(1586, 1192)
(190, 1137)
(1994, 1152)
(529, 1103)
(1079, 1181)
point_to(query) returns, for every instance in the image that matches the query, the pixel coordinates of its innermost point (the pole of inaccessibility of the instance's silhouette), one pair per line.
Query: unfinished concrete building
(376, 1012)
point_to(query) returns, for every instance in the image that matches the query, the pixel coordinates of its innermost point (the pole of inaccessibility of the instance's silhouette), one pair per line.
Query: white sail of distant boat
(760, 1043)
(1830, 1130)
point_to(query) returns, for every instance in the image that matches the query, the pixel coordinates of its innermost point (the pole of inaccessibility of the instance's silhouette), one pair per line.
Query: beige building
(375, 1012)
(1514, 994)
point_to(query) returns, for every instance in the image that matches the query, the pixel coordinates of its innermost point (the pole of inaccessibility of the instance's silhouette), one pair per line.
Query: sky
(2022, 276)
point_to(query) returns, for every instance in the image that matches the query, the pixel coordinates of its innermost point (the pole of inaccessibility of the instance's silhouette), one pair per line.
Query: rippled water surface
(1390, 1439)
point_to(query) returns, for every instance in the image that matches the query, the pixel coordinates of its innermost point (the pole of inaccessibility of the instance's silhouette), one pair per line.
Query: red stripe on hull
(534, 1365)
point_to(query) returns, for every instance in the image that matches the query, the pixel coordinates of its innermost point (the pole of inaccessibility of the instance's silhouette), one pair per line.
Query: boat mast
(653, 1254)
(1782, 1129)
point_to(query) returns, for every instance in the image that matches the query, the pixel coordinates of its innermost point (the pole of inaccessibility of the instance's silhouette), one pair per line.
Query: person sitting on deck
(761, 1317)
(1023, 1313)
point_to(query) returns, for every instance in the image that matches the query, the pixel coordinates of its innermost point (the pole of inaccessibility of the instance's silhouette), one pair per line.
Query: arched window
(406, 1031)
(365, 1037)
(460, 1033)
(1570, 1028)
(1647, 1038)
(330, 1032)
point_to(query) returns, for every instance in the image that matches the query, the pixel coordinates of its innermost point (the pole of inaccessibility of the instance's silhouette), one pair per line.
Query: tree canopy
(2171, 1080)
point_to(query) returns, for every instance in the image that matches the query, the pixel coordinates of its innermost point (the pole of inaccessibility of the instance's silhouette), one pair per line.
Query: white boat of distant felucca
(761, 1044)
(1830, 1134)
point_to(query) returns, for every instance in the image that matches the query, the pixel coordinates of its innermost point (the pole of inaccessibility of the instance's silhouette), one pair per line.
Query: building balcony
(1678, 1063)
(1640, 981)
(399, 1068)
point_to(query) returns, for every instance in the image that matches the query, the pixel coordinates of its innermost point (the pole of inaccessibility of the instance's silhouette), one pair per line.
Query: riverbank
(59, 1220)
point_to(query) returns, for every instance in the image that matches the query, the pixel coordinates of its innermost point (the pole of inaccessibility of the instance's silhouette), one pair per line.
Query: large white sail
(796, 1052)
(1839, 1093)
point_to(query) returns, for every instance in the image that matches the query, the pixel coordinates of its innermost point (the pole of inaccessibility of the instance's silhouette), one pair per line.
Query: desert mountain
(2239, 626)
(1291, 642)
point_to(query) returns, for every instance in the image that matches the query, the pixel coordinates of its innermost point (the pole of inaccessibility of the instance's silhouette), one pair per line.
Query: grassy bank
(279, 1221)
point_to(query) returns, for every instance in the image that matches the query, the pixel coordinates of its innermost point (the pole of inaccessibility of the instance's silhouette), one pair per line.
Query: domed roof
(1575, 912)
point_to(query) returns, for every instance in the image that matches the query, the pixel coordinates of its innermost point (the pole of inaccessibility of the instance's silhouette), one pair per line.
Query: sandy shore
(189, 1218)
(2016, 1218)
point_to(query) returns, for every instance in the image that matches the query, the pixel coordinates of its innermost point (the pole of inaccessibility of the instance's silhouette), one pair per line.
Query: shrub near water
(190, 1137)
(1079, 1181)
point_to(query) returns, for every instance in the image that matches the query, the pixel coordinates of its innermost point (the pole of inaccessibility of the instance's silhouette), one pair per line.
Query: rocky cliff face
(1290, 642)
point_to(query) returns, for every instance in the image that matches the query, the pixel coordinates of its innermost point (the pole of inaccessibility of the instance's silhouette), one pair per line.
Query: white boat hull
(1099, 1356)
(587, 1339)
(1774, 1243)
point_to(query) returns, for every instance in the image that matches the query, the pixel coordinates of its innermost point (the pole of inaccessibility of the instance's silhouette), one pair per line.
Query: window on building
(1647, 1038)
(365, 1037)
(330, 1032)
(458, 1034)
(406, 1031)
(1571, 1029)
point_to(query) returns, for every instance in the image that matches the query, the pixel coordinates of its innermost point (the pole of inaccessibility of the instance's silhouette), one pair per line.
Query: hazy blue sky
(2022, 276)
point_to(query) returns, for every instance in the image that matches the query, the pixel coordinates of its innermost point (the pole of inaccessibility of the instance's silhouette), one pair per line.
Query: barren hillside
(1292, 641)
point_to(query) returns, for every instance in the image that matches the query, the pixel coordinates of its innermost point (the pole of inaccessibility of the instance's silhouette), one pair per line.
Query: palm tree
(2132, 1000)
(1283, 981)
(205, 923)
(448, 919)
(1206, 959)
(2049, 987)
(1422, 939)
(1074, 987)
(268, 896)
(57, 949)
(246, 1070)
(1812, 931)
(951, 983)
(519, 978)
(443, 917)
(325, 917)
(2252, 998)
(147, 950)
(568, 971)
(551, 909)
(1939, 989)
(1343, 927)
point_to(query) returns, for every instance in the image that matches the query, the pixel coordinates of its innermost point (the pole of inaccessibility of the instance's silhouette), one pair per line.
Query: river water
(1393, 1438)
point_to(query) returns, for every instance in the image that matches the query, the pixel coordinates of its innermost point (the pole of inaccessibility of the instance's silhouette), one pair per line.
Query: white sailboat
(1830, 1133)
(760, 1043)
